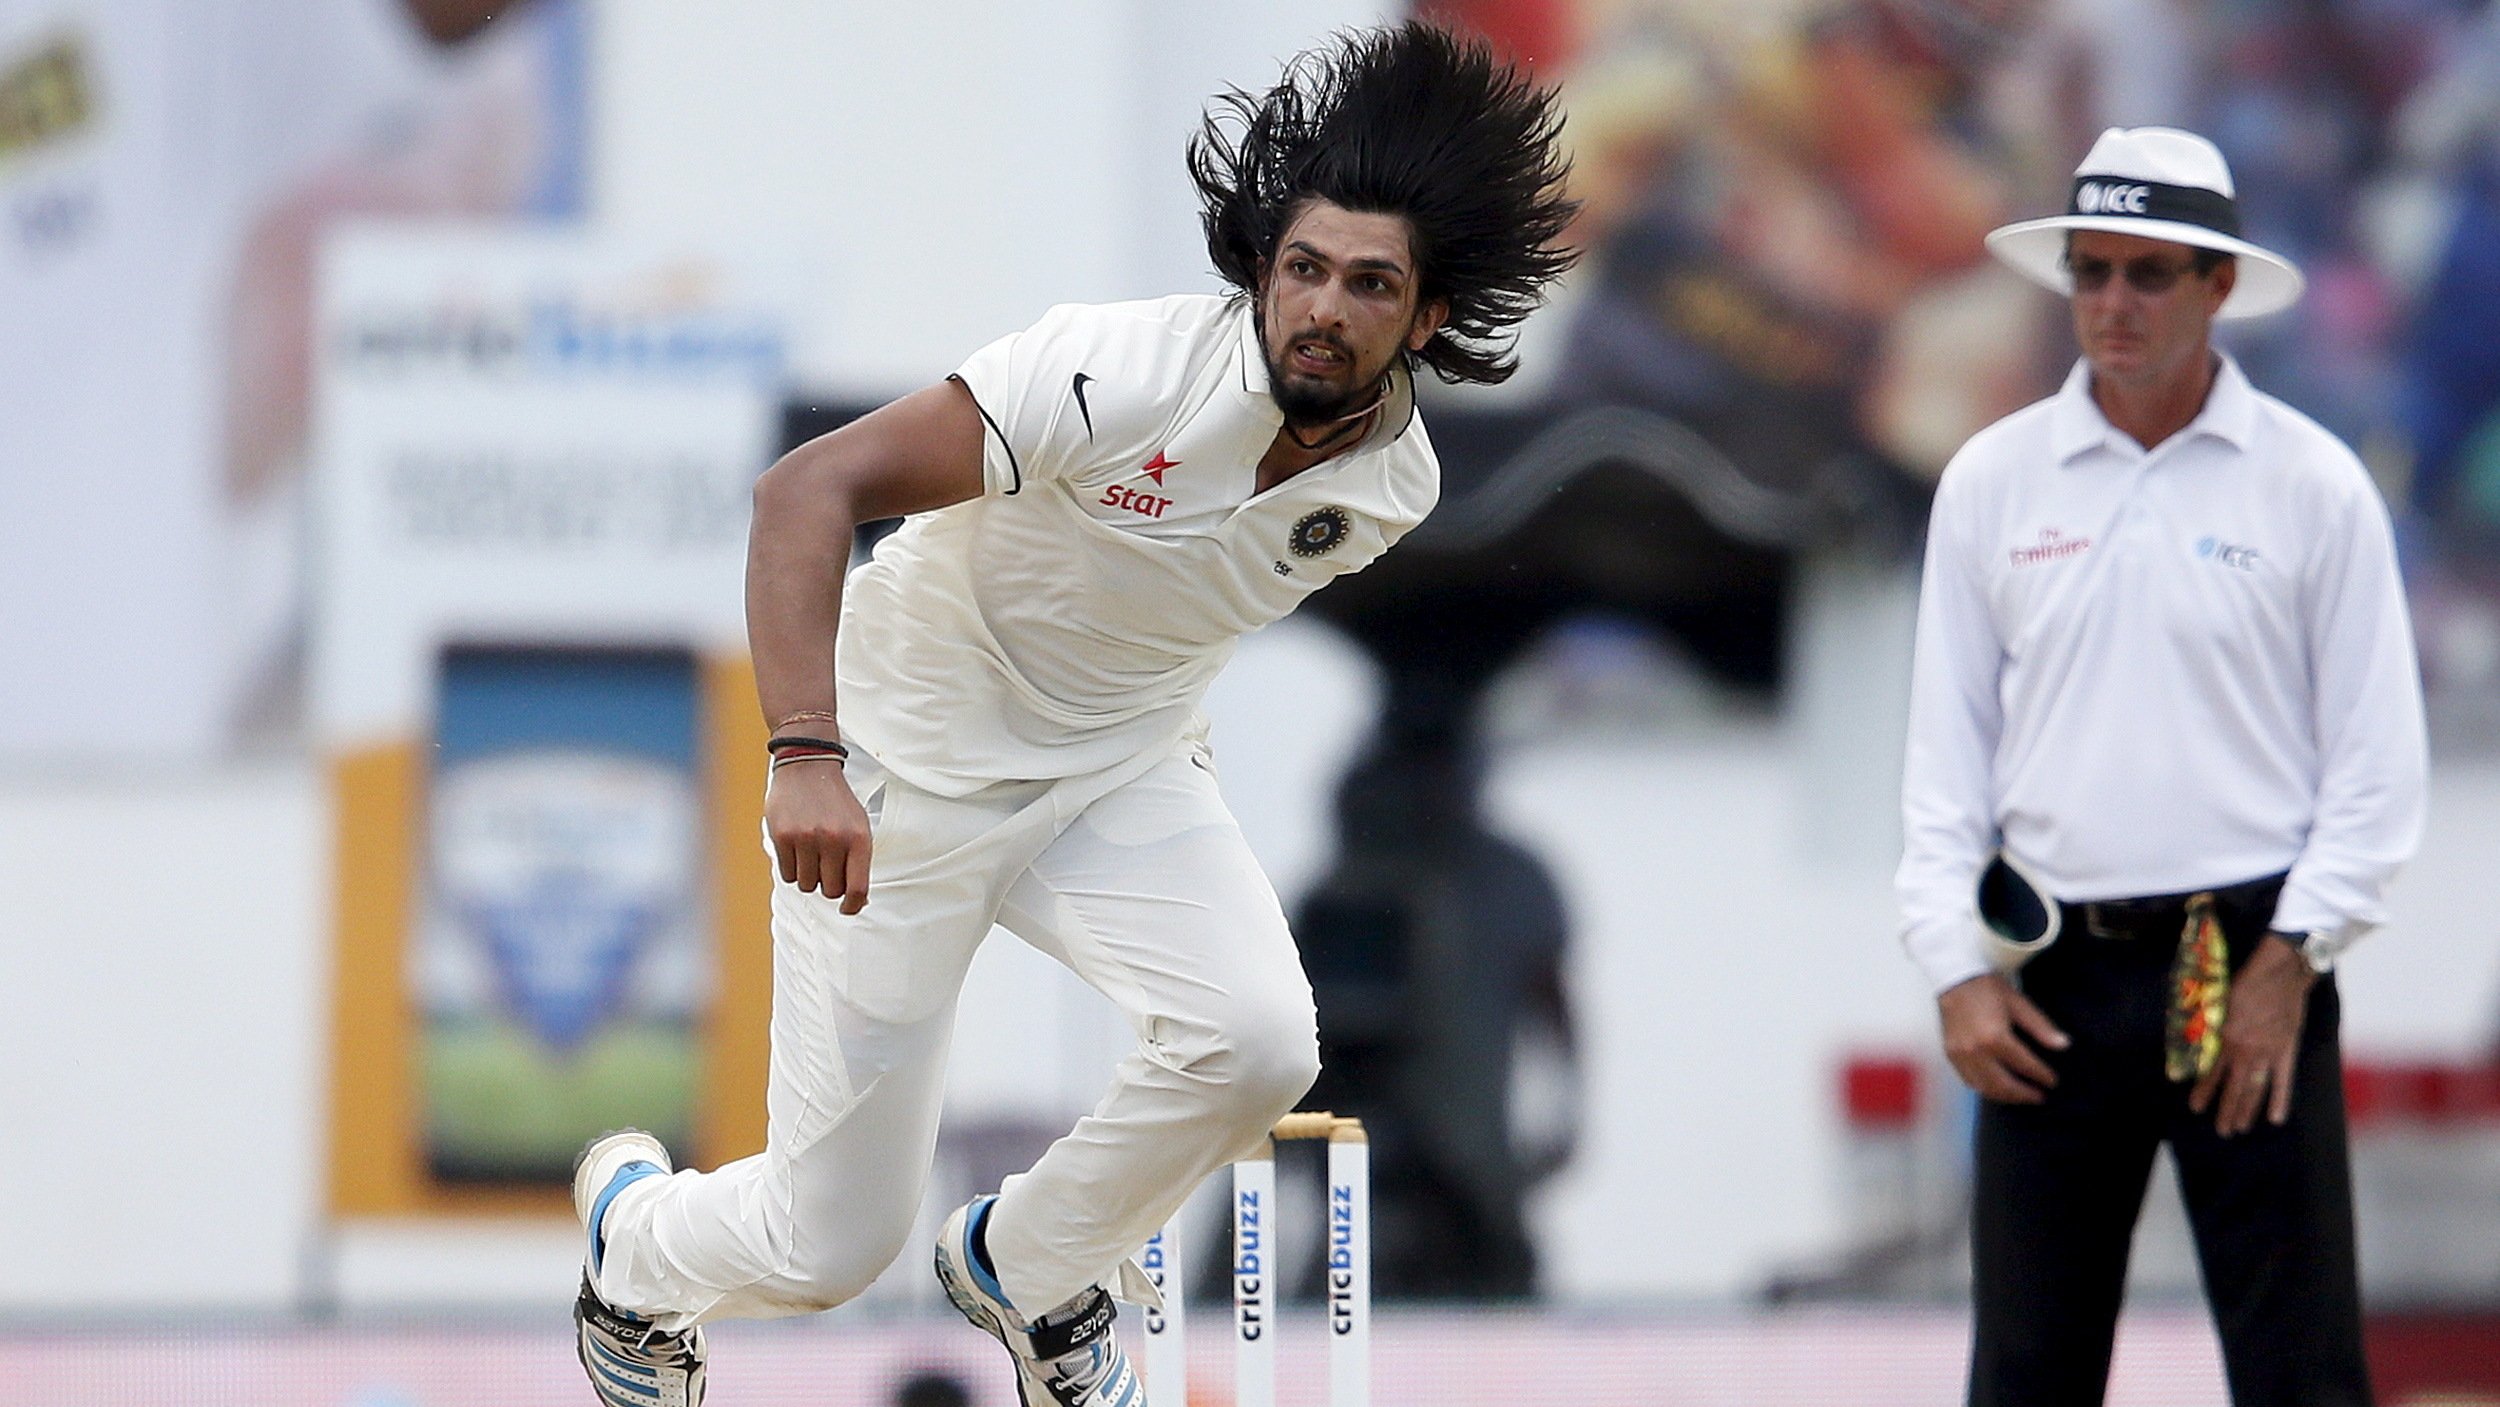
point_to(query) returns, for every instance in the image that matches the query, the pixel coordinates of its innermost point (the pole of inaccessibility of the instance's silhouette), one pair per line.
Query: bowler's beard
(1311, 405)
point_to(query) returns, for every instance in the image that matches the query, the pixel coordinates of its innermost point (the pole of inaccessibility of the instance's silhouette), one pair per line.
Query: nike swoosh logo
(1079, 384)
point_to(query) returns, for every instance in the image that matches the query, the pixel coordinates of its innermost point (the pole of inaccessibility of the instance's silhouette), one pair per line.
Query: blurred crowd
(1787, 321)
(1785, 200)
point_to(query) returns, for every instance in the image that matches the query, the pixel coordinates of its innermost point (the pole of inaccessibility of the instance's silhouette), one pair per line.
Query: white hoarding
(542, 437)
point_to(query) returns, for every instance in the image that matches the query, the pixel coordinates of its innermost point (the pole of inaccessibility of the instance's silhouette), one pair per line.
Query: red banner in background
(2436, 1360)
(1543, 34)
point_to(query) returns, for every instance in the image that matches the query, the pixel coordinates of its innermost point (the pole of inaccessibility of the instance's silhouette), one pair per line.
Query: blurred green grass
(501, 1106)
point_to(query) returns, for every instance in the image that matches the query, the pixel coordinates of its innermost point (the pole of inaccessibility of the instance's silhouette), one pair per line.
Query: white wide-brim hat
(2157, 183)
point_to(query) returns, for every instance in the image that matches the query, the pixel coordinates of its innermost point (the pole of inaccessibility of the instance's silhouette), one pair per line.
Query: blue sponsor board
(560, 965)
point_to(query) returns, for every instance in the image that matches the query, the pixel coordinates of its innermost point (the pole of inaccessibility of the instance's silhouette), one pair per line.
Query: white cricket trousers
(1136, 878)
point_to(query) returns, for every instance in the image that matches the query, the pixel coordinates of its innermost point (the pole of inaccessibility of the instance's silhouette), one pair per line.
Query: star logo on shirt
(1155, 467)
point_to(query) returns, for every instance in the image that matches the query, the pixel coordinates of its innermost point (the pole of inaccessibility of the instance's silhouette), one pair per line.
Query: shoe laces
(1073, 1375)
(628, 1330)
(663, 1345)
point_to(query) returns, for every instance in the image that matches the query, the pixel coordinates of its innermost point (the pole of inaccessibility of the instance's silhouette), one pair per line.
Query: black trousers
(2058, 1187)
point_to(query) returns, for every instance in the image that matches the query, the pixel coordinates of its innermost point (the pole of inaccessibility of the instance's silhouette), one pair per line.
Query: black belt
(2163, 915)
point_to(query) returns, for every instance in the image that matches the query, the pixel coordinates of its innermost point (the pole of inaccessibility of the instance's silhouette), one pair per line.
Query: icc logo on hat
(2094, 198)
(2157, 183)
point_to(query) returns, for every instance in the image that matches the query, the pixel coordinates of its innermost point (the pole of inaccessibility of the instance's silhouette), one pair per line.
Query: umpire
(2165, 753)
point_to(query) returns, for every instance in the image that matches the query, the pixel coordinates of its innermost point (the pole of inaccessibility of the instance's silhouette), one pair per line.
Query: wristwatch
(2312, 951)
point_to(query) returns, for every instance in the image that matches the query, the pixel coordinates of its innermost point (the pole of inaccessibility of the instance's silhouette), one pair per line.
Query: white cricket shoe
(631, 1362)
(1064, 1358)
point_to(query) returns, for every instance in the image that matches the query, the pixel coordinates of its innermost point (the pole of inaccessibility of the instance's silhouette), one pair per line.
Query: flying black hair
(1411, 121)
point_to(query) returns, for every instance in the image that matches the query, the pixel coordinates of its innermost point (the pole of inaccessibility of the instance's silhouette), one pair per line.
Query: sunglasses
(2145, 275)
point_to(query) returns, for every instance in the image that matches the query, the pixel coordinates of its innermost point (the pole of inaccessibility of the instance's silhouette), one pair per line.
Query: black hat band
(2154, 200)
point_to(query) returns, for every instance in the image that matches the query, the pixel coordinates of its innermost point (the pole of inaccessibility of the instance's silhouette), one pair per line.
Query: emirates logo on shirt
(2053, 546)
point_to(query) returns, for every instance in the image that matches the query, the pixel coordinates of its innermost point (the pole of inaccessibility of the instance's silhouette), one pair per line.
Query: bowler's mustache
(1320, 339)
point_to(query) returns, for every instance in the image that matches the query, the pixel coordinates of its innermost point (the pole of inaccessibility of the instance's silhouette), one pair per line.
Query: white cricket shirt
(2151, 673)
(1073, 615)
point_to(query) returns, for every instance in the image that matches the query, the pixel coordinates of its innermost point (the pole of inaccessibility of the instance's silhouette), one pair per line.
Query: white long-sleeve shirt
(2151, 673)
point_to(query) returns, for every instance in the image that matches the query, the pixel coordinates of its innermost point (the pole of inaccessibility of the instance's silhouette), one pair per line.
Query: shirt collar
(2076, 423)
(2230, 408)
(1395, 415)
(1248, 352)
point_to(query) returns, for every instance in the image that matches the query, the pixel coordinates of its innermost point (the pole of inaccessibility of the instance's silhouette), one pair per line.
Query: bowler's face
(2143, 315)
(1340, 301)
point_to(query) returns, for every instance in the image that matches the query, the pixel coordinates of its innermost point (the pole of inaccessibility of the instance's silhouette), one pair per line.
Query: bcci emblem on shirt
(1319, 531)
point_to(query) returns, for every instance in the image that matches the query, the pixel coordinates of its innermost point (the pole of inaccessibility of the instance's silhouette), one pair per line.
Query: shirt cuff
(2323, 947)
(1948, 950)
(2300, 910)
(1002, 474)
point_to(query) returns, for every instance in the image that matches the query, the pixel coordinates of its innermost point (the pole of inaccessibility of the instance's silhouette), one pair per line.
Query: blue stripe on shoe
(625, 1177)
(623, 1365)
(636, 1393)
(981, 1275)
(618, 1368)
(637, 1383)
